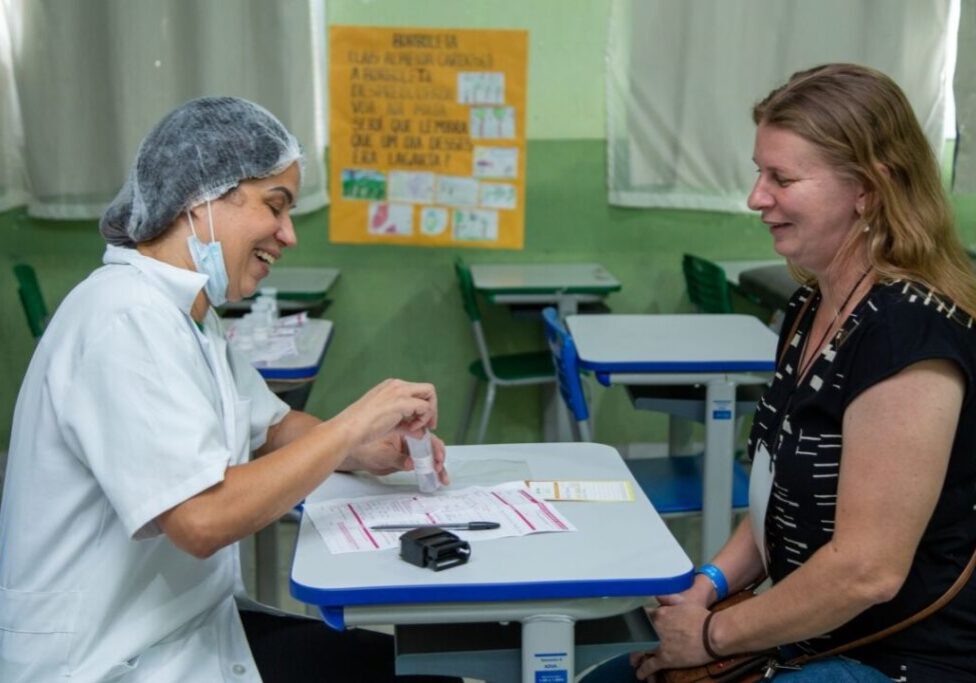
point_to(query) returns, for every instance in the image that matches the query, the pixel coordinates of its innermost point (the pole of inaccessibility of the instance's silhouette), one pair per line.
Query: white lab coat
(127, 409)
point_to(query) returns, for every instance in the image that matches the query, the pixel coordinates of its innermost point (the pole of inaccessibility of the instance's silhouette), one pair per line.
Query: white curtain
(682, 78)
(90, 78)
(13, 177)
(965, 90)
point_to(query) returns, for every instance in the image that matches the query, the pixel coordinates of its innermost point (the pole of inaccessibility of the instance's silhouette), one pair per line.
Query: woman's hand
(679, 628)
(392, 405)
(701, 592)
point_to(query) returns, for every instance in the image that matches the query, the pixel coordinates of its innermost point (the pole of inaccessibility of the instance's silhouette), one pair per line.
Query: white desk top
(527, 278)
(298, 288)
(308, 282)
(312, 342)
(735, 268)
(620, 549)
(673, 343)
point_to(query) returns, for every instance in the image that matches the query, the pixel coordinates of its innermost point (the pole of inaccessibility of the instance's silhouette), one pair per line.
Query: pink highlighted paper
(344, 524)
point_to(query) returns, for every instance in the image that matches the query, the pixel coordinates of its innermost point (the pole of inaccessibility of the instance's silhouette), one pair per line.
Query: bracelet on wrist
(706, 638)
(717, 578)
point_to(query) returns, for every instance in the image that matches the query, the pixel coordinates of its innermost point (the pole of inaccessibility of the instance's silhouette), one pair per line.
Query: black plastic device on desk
(431, 546)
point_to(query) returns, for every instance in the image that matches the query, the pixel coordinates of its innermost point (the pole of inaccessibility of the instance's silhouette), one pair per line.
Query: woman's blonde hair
(864, 126)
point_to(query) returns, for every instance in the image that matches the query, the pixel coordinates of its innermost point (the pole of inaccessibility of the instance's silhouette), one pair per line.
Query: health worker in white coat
(130, 479)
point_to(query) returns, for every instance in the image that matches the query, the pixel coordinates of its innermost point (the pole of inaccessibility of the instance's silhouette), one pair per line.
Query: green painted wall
(397, 311)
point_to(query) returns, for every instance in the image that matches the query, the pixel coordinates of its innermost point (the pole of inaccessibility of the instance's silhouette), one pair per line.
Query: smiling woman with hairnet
(129, 480)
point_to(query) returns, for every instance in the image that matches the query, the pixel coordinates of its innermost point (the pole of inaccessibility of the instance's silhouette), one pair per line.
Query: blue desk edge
(604, 370)
(332, 603)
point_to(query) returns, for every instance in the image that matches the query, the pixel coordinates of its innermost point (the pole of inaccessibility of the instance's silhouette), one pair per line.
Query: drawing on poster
(363, 184)
(475, 225)
(498, 196)
(495, 162)
(457, 190)
(390, 219)
(492, 123)
(411, 186)
(433, 220)
(481, 87)
(424, 123)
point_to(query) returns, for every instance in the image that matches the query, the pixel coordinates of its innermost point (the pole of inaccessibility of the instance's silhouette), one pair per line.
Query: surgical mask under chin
(209, 260)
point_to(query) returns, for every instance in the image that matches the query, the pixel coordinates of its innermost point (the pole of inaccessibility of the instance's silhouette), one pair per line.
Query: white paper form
(344, 524)
(604, 491)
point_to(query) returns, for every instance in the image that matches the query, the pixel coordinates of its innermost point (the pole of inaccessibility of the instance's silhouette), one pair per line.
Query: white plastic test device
(422, 454)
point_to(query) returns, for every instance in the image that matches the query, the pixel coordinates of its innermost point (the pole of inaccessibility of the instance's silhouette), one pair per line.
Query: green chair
(509, 370)
(708, 288)
(31, 298)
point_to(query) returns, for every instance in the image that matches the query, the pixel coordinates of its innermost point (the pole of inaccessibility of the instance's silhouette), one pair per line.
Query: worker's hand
(390, 454)
(391, 406)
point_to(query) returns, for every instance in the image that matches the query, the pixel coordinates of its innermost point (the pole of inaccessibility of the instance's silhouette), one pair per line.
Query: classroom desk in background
(770, 281)
(621, 554)
(299, 289)
(734, 268)
(564, 285)
(766, 281)
(312, 342)
(526, 288)
(718, 351)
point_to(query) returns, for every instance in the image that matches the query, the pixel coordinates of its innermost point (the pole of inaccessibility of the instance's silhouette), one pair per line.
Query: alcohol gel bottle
(422, 454)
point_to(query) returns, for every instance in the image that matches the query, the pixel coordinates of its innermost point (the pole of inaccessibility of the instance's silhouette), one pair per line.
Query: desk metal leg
(266, 564)
(548, 649)
(719, 455)
(567, 305)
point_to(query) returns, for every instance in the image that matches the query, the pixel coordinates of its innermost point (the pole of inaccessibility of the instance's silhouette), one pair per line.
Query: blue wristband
(715, 575)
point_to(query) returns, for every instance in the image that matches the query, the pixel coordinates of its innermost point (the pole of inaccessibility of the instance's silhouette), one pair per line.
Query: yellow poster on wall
(427, 136)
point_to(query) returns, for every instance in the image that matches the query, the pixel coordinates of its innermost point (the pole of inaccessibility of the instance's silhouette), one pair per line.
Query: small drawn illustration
(433, 220)
(410, 186)
(481, 87)
(475, 225)
(363, 184)
(457, 190)
(390, 219)
(498, 196)
(495, 162)
(492, 122)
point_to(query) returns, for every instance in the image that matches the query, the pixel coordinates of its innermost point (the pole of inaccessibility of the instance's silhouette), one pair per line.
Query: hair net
(199, 151)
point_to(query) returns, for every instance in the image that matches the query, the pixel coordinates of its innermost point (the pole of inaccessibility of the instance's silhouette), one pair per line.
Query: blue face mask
(209, 260)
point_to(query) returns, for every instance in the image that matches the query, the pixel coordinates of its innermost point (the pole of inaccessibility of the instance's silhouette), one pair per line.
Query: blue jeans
(833, 670)
(830, 670)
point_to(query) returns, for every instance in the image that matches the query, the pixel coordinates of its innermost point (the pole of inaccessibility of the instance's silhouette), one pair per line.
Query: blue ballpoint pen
(463, 526)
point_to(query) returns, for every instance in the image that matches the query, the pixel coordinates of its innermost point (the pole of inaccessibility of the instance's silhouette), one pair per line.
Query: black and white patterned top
(894, 326)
